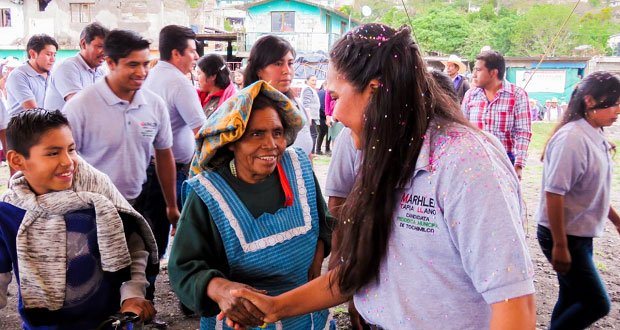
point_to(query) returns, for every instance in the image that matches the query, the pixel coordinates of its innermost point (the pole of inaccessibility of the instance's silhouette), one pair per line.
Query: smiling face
(261, 147)
(130, 72)
(51, 163)
(279, 74)
(350, 104)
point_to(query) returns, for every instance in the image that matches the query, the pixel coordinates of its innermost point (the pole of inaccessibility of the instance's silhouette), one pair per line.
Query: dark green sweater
(198, 254)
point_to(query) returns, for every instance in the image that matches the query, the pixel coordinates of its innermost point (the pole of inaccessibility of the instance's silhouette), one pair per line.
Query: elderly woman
(214, 85)
(271, 59)
(254, 214)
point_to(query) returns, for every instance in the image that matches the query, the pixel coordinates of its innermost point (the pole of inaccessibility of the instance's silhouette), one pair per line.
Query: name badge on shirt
(417, 213)
(148, 129)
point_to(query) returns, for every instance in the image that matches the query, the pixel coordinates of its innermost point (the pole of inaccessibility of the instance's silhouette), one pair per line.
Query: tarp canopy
(307, 64)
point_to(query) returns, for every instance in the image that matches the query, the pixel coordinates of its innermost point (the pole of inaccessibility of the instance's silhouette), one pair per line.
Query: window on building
(5, 17)
(80, 12)
(282, 21)
(343, 28)
(328, 24)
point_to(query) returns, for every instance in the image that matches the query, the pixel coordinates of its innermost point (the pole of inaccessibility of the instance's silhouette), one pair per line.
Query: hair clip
(223, 67)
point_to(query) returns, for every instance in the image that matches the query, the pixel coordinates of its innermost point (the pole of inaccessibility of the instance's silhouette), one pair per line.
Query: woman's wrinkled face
(279, 74)
(261, 147)
(350, 103)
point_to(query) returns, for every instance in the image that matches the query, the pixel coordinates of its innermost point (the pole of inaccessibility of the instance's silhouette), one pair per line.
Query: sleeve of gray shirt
(163, 139)
(342, 167)
(67, 79)
(188, 106)
(72, 112)
(482, 211)
(564, 163)
(18, 86)
(310, 102)
(4, 115)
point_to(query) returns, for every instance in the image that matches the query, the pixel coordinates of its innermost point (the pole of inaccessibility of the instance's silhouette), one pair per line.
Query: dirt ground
(607, 255)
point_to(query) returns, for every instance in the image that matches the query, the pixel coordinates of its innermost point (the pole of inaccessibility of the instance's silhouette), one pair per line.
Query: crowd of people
(423, 220)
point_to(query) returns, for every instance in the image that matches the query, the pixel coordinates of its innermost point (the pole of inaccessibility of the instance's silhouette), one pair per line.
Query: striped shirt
(507, 117)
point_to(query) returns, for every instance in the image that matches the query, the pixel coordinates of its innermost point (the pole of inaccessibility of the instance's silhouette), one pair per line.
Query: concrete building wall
(12, 36)
(146, 17)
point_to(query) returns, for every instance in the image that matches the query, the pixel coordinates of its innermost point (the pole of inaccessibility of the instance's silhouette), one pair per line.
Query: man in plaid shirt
(499, 107)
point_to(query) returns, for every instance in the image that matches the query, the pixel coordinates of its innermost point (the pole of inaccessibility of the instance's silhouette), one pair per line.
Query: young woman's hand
(237, 309)
(265, 303)
(560, 259)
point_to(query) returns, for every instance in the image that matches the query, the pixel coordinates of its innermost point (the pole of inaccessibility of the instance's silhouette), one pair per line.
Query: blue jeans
(582, 299)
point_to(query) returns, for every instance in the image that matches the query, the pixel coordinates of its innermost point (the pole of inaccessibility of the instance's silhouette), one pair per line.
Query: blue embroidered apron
(273, 252)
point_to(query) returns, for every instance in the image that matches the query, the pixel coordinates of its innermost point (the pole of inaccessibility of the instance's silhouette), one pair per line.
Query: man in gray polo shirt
(177, 49)
(26, 85)
(80, 71)
(116, 124)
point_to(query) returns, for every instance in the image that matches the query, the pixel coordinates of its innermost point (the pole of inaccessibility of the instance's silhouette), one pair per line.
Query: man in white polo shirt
(116, 124)
(177, 50)
(80, 71)
(26, 84)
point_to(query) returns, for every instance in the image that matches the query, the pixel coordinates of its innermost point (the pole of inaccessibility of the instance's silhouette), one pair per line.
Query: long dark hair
(604, 88)
(396, 120)
(267, 50)
(214, 64)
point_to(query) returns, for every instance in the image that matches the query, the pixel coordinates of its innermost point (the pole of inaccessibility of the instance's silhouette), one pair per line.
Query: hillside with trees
(515, 28)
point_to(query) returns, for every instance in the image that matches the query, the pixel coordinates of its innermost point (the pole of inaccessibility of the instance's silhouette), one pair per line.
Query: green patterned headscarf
(230, 120)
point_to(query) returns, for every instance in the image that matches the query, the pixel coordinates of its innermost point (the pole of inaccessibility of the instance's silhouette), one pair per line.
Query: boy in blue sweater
(76, 246)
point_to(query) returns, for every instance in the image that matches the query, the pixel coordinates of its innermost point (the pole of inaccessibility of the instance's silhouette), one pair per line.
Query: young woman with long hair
(432, 233)
(271, 59)
(575, 202)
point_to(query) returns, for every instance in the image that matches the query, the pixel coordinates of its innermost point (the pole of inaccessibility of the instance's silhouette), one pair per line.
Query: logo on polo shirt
(418, 213)
(148, 129)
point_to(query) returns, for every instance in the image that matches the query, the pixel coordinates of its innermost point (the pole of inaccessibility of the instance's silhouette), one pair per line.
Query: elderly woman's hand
(239, 310)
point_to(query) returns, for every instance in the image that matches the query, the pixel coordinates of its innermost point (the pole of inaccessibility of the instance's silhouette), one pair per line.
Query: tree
(442, 30)
(537, 28)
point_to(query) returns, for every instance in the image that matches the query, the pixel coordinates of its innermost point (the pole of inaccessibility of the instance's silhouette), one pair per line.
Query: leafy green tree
(193, 3)
(442, 29)
(535, 31)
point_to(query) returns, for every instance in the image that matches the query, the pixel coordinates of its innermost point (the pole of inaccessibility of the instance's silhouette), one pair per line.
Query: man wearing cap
(26, 85)
(454, 67)
(80, 71)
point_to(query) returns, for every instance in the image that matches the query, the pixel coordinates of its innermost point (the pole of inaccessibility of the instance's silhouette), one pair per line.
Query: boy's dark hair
(93, 30)
(174, 37)
(120, 43)
(493, 60)
(214, 64)
(26, 128)
(38, 41)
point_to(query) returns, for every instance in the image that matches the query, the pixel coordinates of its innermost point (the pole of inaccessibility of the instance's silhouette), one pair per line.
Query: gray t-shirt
(183, 106)
(304, 138)
(311, 101)
(4, 114)
(70, 76)
(578, 166)
(343, 166)
(118, 137)
(24, 84)
(457, 243)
